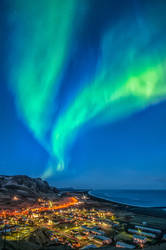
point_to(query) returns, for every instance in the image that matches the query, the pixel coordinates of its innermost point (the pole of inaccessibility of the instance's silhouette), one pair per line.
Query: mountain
(20, 189)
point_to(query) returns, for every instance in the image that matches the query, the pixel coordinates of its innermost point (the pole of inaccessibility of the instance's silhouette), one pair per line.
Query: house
(103, 239)
(149, 229)
(139, 239)
(121, 244)
(89, 246)
(164, 237)
(96, 231)
(134, 231)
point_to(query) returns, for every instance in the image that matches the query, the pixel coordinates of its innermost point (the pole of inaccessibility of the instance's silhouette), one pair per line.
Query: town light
(15, 198)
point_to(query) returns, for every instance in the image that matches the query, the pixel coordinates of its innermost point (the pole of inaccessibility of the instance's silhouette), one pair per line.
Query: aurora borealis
(35, 76)
(138, 85)
(119, 68)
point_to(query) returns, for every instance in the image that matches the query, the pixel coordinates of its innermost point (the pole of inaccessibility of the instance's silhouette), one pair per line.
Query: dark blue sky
(130, 153)
(126, 154)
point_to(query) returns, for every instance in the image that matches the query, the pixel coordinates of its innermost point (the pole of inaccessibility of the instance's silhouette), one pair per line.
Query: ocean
(139, 198)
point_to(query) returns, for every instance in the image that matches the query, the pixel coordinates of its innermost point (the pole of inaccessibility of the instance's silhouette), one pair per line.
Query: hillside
(21, 189)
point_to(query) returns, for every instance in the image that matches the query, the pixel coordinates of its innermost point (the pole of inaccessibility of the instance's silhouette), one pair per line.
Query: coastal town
(78, 222)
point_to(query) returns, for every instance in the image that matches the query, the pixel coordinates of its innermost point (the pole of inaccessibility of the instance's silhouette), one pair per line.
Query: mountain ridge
(21, 189)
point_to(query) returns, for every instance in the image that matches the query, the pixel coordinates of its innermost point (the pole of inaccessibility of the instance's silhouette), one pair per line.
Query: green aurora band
(130, 78)
(40, 45)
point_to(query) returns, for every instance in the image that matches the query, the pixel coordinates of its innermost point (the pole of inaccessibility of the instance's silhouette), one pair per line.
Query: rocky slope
(21, 189)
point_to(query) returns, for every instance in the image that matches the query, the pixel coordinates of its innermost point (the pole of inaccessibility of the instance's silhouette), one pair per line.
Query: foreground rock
(20, 189)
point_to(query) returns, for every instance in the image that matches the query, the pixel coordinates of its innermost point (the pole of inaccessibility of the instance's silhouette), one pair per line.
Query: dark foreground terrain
(24, 245)
(35, 216)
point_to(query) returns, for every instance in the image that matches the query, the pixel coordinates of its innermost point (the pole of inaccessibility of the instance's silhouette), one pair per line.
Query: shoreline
(147, 211)
(122, 203)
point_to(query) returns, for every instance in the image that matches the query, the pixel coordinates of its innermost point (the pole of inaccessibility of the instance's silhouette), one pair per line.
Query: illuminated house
(149, 229)
(98, 232)
(102, 239)
(139, 239)
(133, 231)
(93, 230)
(121, 244)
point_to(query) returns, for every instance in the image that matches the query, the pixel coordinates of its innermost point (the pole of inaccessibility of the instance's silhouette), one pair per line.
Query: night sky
(83, 92)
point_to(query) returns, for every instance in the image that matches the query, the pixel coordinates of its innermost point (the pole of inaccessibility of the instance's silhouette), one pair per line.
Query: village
(77, 225)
